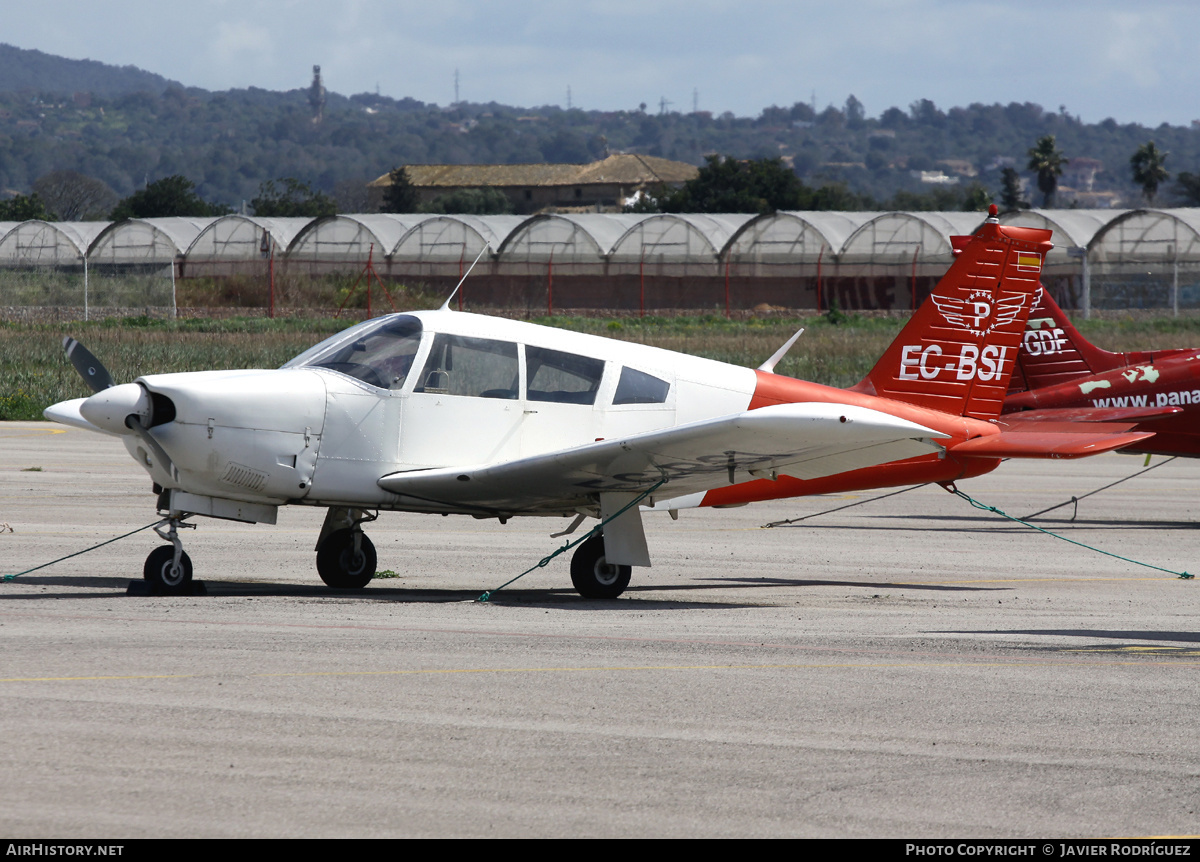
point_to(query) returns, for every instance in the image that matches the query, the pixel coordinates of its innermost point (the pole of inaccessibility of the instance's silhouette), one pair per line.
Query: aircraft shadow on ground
(1176, 637)
(568, 599)
(102, 588)
(993, 524)
(872, 585)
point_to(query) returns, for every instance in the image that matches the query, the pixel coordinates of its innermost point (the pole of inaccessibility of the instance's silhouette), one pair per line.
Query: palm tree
(1148, 170)
(1047, 160)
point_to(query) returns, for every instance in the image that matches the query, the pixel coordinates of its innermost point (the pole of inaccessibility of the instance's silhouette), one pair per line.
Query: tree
(1148, 166)
(294, 200)
(400, 196)
(926, 113)
(1010, 191)
(74, 196)
(352, 196)
(171, 196)
(1047, 160)
(24, 208)
(856, 114)
(1187, 188)
(726, 185)
(976, 198)
(486, 201)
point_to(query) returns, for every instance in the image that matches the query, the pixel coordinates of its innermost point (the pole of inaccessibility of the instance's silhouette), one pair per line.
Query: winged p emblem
(979, 312)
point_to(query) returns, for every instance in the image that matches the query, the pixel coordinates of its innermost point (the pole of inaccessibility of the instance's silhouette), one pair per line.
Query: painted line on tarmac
(40, 432)
(100, 678)
(1134, 649)
(1051, 580)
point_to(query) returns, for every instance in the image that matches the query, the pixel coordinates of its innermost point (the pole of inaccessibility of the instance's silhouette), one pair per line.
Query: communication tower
(316, 95)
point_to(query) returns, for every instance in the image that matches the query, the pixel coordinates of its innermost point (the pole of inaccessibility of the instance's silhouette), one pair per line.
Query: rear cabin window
(638, 387)
(476, 367)
(562, 377)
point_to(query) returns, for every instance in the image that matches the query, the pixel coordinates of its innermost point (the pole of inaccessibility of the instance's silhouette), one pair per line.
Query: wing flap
(807, 440)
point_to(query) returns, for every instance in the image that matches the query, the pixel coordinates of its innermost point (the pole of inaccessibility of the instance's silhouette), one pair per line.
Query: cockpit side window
(562, 377)
(379, 356)
(477, 367)
(638, 387)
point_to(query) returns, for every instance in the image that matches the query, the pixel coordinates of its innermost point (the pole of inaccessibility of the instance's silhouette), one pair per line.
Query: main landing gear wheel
(343, 567)
(593, 576)
(163, 575)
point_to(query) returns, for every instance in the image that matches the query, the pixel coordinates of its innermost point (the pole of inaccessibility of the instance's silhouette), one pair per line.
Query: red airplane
(1062, 376)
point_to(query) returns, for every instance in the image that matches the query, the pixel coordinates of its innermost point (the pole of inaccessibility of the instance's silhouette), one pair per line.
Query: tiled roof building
(602, 186)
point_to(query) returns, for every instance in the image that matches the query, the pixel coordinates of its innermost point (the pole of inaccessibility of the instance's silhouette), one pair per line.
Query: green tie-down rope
(84, 551)
(953, 490)
(545, 561)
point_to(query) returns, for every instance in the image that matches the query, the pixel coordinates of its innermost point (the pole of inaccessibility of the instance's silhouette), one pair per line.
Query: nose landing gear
(168, 569)
(346, 558)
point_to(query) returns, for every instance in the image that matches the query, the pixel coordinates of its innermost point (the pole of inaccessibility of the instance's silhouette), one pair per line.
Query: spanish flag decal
(1029, 261)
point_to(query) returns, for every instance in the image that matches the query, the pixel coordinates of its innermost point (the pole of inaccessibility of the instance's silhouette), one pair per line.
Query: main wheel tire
(161, 573)
(338, 565)
(593, 576)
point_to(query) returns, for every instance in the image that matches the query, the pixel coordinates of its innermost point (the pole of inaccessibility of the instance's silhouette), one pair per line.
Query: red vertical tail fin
(1053, 351)
(958, 351)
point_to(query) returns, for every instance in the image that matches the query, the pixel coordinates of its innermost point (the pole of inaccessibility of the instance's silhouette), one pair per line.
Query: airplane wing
(805, 440)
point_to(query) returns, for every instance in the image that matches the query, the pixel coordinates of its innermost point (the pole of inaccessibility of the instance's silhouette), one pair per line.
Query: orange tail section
(958, 351)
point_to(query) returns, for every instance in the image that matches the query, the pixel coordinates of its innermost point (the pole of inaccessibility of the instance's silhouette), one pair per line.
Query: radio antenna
(446, 304)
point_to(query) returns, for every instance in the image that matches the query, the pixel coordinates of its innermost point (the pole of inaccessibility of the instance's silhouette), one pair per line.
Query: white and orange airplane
(453, 413)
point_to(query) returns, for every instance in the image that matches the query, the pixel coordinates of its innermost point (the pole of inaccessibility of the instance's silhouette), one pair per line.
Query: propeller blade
(94, 374)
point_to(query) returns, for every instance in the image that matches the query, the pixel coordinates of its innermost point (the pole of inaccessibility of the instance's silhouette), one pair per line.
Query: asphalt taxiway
(911, 667)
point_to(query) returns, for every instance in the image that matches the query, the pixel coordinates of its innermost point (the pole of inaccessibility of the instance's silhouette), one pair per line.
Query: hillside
(125, 127)
(24, 70)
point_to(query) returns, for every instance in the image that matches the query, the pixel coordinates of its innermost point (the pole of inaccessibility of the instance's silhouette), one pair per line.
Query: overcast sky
(1136, 62)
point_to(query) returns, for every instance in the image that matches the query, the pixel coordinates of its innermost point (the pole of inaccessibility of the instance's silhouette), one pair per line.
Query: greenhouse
(41, 243)
(1145, 259)
(145, 242)
(226, 246)
(1148, 258)
(447, 244)
(575, 243)
(329, 244)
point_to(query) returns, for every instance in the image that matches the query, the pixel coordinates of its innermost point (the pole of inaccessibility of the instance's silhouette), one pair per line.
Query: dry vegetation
(34, 372)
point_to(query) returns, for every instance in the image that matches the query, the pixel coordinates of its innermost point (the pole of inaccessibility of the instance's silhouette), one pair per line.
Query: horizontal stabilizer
(1047, 444)
(1089, 414)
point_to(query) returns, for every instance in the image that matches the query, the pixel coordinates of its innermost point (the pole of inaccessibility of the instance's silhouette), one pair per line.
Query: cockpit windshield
(379, 353)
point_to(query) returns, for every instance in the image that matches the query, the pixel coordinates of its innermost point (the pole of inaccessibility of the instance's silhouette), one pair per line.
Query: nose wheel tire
(593, 576)
(340, 566)
(163, 575)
